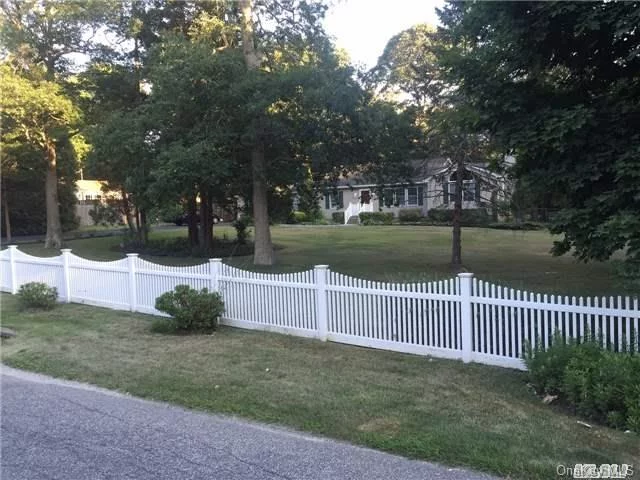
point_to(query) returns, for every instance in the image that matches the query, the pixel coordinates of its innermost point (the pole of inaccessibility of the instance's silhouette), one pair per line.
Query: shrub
(376, 218)
(242, 230)
(410, 215)
(517, 226)
(181, 247)
(598, 384)
(106, 214)
(605, 389)
(190, 309)
(338, 217)
(299, 217)
(469, 217)
(546, 367)
(37, 295)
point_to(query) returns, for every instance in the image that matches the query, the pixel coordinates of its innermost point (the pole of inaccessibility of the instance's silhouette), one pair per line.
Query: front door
(365, 197)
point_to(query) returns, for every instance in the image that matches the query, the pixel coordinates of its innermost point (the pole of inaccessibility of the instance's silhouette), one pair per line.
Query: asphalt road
(52, 429)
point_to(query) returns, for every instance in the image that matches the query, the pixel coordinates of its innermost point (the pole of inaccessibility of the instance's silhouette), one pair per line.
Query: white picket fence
(461, 318)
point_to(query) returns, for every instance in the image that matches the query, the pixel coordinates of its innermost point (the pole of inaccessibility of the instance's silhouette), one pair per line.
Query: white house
(89, 193)
(432, 186)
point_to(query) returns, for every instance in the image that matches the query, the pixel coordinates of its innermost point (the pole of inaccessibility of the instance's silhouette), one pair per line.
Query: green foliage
(106, 214)
(516, 226)
(468, 216)
(242, 229)
(191, 310)
(407, 65)
(547, 366)
(410, 215)
(280, 203)
(598, 384)
(605, 388)
(308, 201)
(299, 217)
(37, 295)
(338, 217)
(376, 218)
(181, 247)
(35, 113)
(564, 95)
(170, 212)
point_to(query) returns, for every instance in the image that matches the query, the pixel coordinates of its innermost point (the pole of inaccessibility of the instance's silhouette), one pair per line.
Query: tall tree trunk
(205, 221)
(54, 228)
(7, 218)
(263, 247)
(456, 238)
(126, 207)
(192, 221)
(144, 226)
(137, 217)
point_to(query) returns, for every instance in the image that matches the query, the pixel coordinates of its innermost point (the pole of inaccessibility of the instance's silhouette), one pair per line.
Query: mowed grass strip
(517, 259)
(437, 410)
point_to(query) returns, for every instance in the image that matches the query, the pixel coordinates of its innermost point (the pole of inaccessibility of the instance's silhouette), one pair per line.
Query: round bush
(190, 309)
(37, 295)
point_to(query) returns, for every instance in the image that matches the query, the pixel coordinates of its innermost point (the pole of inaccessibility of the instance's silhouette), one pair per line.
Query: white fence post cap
(323, 267)
(12, 247)
(132, 254)
(65, 250)
(215, 260)
(465, 275)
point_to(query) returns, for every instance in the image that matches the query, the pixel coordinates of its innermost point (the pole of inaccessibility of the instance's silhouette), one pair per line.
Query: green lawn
(477, 416)
(398, 253)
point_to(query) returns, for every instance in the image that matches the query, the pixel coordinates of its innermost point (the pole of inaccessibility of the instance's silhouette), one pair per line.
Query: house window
(334, 199)
(412, 196)
(389, 197)
(468, 190)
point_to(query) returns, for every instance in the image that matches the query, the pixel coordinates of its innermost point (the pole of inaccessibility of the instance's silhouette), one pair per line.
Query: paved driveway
(63, 430)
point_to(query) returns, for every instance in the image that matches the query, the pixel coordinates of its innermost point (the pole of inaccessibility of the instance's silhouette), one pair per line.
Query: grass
(518, 259)
(438, 410)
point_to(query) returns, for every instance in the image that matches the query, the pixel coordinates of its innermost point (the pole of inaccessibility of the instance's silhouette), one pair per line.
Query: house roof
(420, 171)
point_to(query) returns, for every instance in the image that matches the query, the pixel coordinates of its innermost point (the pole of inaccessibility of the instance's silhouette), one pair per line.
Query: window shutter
(477, 184)
(420, 195)
(445, 189)
(400, 197)
(340, 199)
(326, 200)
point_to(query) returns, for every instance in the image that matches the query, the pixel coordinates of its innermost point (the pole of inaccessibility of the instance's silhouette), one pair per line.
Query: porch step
(353, 220)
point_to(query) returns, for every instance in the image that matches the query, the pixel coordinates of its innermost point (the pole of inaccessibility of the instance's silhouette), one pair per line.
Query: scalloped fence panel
(460, 318)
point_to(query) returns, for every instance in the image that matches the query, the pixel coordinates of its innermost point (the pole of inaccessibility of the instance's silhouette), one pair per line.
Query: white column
(215, 266)
(67, 278)
(133, 295)
(321, 274)
(12, 265)
(466, 320)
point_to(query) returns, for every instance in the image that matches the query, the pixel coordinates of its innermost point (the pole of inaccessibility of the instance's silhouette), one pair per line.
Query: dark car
(184, 219)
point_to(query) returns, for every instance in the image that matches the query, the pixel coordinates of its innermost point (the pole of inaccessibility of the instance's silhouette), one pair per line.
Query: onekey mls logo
(591, 470)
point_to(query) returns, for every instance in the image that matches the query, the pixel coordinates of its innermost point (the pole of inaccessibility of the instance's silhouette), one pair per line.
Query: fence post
(67, 278)
(12, 266)
(466, 316)
(321, 272)
(215, 265)
(133, 295)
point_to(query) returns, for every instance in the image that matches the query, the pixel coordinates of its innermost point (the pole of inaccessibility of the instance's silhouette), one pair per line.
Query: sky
(363, 27)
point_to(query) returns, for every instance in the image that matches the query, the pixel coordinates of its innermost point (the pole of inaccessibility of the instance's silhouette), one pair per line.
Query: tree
(37, 113)
(558, 84)
(41, 35)
(412, 66)
(409, 67)
(263, 247)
